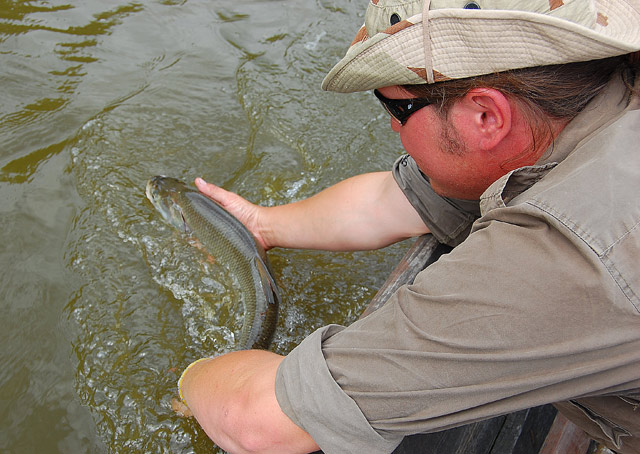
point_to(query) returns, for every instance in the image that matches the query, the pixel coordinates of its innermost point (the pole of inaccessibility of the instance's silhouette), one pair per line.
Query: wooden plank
(510, 432)
(476, 438)
(528, 436)
(522, 432)
(565, 438)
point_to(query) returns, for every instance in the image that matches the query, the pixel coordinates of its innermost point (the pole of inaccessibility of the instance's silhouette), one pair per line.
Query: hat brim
(466, 43)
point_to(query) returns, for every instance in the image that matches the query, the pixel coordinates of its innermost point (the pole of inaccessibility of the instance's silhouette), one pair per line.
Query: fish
(224, 237)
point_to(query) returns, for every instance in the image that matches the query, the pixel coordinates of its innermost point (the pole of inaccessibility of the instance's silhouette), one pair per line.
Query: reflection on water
(103, 304)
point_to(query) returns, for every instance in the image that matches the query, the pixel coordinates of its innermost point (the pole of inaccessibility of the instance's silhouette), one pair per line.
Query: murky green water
(103, 304)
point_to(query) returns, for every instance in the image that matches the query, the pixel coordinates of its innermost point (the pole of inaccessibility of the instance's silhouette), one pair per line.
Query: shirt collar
(609, 105)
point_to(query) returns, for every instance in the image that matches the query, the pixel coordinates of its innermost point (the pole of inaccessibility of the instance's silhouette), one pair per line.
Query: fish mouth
(161, 187)
(151, 189)
(161, 192)
(154, 192)
(160, 184)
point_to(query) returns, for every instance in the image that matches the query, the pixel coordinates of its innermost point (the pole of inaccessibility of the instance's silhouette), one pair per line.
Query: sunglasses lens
(401, 109)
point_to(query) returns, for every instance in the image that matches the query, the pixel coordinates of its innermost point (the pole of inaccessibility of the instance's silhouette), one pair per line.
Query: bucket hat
(426, 41)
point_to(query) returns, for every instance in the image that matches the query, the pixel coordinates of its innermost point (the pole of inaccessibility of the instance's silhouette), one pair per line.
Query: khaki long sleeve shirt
(539, 303)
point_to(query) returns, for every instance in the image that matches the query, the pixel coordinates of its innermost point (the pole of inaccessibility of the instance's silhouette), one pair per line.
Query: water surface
(103, 304)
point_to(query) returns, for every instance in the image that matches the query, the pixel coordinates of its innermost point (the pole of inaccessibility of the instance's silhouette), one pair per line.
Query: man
(521, 122)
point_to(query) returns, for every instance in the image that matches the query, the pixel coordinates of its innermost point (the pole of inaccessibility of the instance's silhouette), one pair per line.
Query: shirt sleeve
(449, 220)
(311, 398)
(508, 320)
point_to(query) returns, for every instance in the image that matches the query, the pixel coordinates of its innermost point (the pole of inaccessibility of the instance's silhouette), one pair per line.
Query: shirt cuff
(310, 397)
(449, 220)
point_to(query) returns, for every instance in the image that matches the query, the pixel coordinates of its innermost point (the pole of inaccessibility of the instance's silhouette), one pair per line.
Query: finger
(180, 408)
(211, 190)
(204, 187)
(224, 198)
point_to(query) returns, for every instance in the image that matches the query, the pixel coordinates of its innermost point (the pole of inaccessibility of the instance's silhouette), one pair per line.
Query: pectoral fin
(268, 283)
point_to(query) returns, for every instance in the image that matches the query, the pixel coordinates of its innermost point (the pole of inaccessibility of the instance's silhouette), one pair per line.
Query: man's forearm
(368, 211)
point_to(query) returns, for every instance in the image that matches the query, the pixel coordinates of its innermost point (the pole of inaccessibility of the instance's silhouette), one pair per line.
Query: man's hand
(368, 211)
(245, 211)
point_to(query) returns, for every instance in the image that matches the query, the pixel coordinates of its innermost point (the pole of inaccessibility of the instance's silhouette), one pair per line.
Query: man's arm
(233, 398)
(364, 212)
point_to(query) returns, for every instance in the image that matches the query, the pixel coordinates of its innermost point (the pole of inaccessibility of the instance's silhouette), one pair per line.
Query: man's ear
(488, 113)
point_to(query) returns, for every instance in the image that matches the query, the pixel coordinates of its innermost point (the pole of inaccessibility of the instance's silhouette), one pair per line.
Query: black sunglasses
(402, 109)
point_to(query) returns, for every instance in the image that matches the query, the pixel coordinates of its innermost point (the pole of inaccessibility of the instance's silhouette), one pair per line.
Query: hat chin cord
(426, 36)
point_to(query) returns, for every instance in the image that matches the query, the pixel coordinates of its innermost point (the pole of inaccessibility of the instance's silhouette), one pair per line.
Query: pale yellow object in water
(183, 374)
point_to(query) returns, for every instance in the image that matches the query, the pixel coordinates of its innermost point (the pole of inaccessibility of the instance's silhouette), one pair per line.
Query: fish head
(163, 192)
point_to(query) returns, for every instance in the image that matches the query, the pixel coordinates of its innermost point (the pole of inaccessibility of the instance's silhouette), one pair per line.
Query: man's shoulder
(595, 189)
(592, 196)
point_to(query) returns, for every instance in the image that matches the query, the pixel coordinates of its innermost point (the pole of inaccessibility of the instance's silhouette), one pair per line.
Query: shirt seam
(603, 257)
